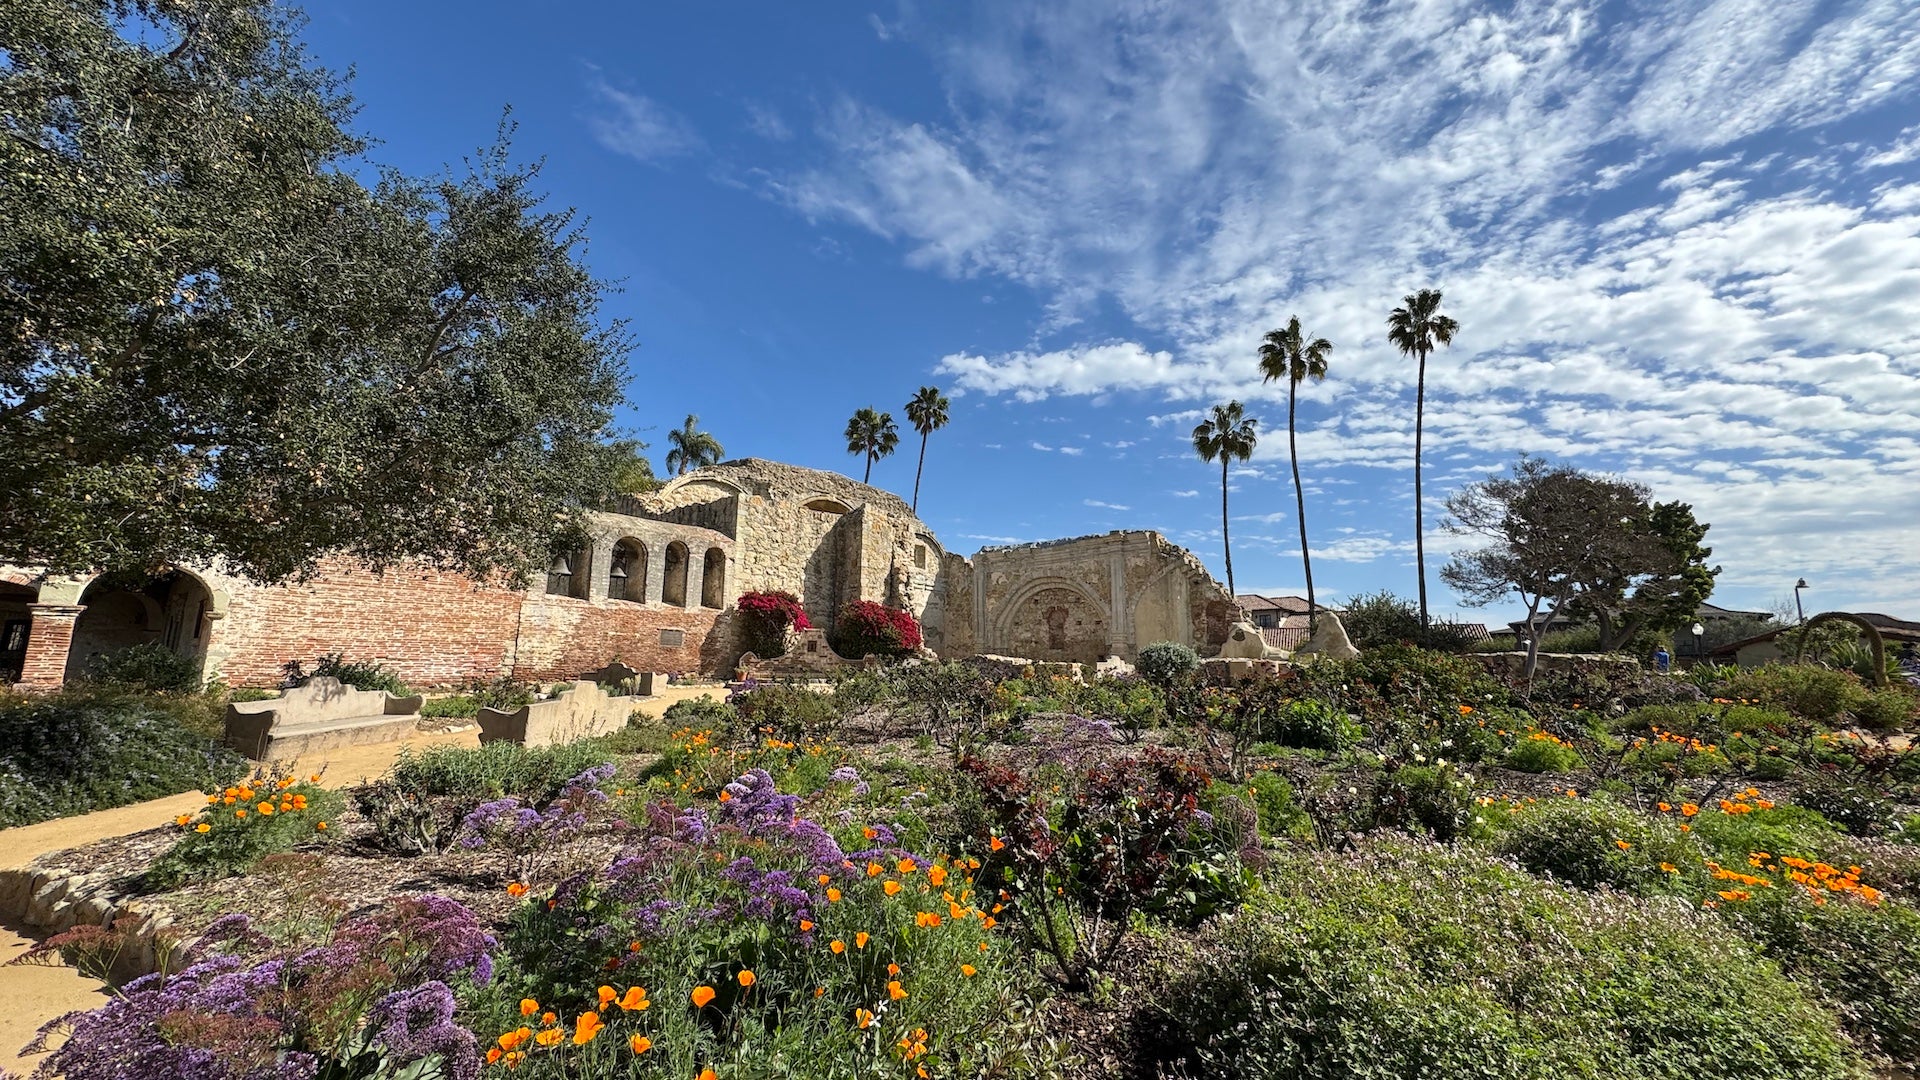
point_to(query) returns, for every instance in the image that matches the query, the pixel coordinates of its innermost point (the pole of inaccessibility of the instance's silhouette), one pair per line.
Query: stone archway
(175, 609)
(1874, 641)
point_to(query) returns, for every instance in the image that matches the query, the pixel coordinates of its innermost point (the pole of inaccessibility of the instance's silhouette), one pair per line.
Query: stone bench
(579, 713)
(324, 714)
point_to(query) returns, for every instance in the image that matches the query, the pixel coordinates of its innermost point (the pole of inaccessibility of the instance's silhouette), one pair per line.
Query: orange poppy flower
(586, 1028)
(936, 876)
(746, 977)
(969, 970)
(635, 999)
(639, 1044)
(516, 890)
(860, 939)
(702, 995)
(862, 1018)
(994, 843)
(528, 1007)
(838, 946)
(891, 887)
(833, 896)
(895, 992)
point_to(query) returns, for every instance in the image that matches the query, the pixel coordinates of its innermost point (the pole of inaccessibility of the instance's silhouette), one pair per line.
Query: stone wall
(1082, 599)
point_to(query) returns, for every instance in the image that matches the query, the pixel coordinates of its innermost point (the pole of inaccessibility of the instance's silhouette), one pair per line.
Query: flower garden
(1395, 866)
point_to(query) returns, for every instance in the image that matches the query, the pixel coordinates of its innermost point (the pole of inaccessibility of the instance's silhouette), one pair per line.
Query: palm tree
(692, 448)
(1227, 434)
(927, 412)
(1287, 354)
(1416, 327)
(872, 434)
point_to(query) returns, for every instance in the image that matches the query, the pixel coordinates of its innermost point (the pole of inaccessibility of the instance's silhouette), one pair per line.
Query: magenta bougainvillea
(868, 627)
(766, 617)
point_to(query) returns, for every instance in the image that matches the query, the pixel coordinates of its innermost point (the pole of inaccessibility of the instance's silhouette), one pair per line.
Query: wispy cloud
(1104, 505)
(1187, 494)
(1732, 322)
(638, 126)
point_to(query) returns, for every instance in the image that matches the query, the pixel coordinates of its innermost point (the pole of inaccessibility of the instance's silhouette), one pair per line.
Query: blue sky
(1682, 240)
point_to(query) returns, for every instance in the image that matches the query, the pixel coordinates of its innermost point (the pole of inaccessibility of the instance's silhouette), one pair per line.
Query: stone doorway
(171, 608)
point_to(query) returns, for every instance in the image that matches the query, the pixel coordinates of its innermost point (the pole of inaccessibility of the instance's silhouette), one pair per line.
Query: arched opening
(16, 623)
(713, 579)
(673, 586)
(828, 506)
(627, 577)
(572, 574)
(170, 609)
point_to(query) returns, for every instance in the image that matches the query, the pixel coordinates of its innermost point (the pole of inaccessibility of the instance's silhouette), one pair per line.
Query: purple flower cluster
(514, 825)
(417, 1024)
(221, 1020)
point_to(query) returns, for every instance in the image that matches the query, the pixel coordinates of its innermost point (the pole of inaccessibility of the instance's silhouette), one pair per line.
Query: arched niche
(713, 579)
(627, 574)
(673, 582)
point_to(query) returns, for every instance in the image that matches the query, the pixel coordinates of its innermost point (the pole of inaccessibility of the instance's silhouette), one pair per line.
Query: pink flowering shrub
(868, 627)
(766, 617)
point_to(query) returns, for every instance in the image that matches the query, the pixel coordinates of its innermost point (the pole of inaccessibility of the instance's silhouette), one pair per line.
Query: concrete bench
(579, 713)
(324, 714)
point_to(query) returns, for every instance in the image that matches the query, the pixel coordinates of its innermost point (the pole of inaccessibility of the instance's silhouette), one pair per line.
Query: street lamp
(1798, 610)
(1699, 641)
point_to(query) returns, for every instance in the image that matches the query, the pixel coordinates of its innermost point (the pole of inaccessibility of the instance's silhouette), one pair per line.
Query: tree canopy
(689, 448)
(217, 343)
(1567, 540)
(872, 434)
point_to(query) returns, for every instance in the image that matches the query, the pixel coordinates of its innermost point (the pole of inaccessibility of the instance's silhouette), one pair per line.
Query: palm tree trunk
(1419, 510)
(918, 469)
(867, 478)
(1300, 506)
(1226, 543)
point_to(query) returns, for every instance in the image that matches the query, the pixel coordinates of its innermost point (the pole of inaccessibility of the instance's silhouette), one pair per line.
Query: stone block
(579, 713)
(325, 714)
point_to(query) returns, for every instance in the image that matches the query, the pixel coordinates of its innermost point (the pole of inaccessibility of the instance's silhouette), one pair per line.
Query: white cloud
(1187, 494)
(1735, 322)
(1104, 505)
(1041, 446)
(638, 126)
(1073, 451)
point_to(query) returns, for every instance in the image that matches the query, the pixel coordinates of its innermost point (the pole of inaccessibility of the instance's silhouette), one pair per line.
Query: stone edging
(52, 900)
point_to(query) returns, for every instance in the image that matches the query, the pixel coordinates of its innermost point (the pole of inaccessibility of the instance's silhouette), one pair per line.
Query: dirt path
(32, 995)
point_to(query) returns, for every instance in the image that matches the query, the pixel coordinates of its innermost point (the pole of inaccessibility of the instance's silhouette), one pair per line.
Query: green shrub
(90, 749)
(1164, 663)
(147, 666)
(244, 823)
(451, 707)
(1278, 813)
(1806, 690)
(1581, 639)
(704, 713)
(1857, 808)
(1537, 753)
(1406, 961)
(494, 770)
(791, 712)
(1434, 799)
(1596, 841)
(1312, 724)
(359, 674)
(1887, 710)
(416, 809)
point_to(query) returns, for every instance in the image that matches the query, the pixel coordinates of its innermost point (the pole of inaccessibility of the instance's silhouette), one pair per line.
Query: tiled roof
(1289, 605)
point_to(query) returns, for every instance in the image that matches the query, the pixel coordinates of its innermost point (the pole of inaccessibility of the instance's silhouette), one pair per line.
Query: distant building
(1762, 648)
(1270, 612)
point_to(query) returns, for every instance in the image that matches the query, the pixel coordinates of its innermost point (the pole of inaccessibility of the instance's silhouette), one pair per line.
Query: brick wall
(434, 628)
(441, 629)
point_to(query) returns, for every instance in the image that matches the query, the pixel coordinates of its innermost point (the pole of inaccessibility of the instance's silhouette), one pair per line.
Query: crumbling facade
(653, 587)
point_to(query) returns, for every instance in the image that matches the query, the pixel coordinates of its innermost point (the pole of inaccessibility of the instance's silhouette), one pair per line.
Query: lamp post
(1797, 609)
(1699, 642)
